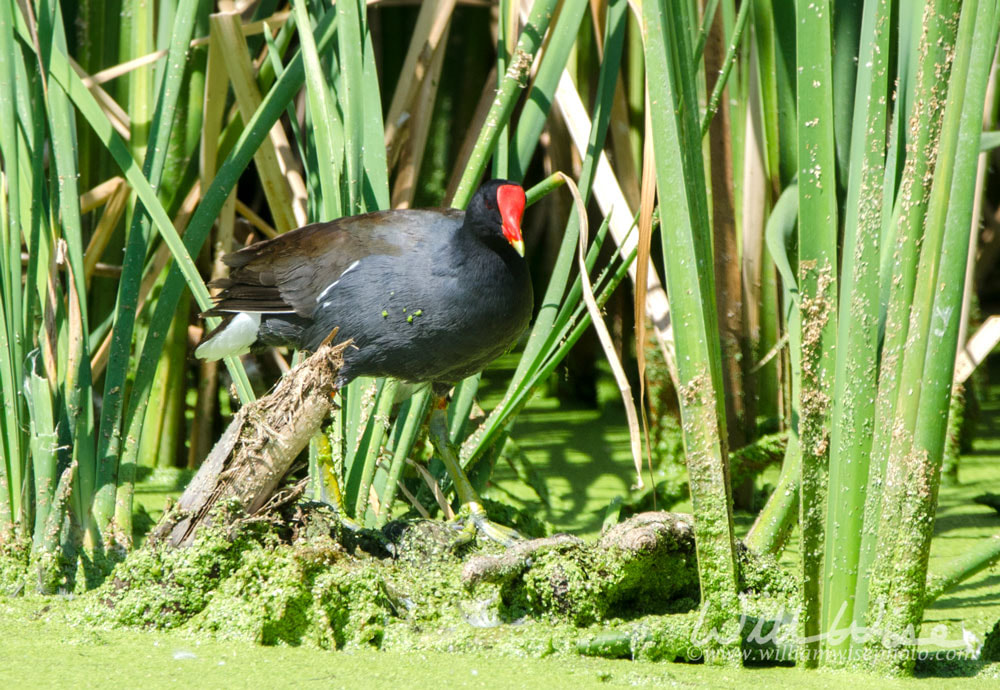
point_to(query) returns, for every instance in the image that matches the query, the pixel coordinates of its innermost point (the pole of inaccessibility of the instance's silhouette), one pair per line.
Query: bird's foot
(348, 523)
(477, 522)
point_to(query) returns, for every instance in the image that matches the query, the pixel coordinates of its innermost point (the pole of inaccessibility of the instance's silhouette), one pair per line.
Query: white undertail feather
(235, 339)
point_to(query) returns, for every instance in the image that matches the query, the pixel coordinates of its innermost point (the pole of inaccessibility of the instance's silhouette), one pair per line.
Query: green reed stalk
(327, 128)
(950, 205)
(542, 94)
(817, 282)
(857, 340)
(12, 437)
(514, 81)
(931, 67)
(136, 248)
(779, 514)
(75, 418)
(681, 184)
(350, 35)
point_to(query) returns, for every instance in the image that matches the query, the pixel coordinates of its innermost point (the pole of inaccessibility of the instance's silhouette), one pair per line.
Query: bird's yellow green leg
(477, 521)
(329, 486)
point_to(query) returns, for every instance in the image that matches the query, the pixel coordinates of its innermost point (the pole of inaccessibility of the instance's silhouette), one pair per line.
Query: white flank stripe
(256, 311)
(235, 339)
(323, 295)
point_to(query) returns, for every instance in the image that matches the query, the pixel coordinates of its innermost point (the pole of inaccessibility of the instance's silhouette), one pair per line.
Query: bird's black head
(495, 211)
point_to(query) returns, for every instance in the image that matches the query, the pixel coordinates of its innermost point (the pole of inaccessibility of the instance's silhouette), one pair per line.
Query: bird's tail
(232, 337)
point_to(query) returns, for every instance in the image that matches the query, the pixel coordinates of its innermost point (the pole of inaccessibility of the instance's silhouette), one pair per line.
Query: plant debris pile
(300, 577)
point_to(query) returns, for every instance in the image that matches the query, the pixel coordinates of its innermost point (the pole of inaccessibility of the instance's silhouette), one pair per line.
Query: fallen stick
(254, 454)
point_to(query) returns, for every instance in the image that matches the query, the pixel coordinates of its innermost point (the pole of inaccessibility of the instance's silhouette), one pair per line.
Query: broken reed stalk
(985, 553)
(258, 448)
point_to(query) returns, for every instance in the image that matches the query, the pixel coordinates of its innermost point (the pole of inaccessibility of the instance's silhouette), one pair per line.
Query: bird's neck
(480, 243)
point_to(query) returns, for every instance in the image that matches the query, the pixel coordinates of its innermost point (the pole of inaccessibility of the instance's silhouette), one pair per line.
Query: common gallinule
(429, 295)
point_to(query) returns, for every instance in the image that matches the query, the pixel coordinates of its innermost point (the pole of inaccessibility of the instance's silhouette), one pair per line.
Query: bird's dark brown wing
(287, 273)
